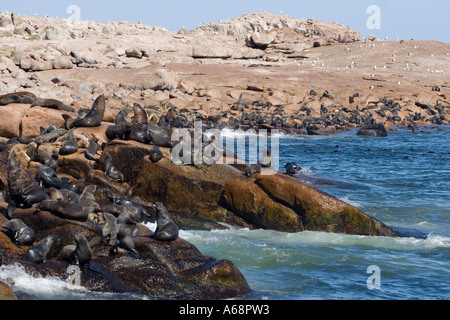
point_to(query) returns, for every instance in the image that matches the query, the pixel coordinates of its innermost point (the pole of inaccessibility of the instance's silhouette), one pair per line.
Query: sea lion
(88, 200)
(17, 97)
(70, 146)
(82, 254)
(19, 232)
(48, 178)
(23, 188)
(51, 136)
(111, 171)
(143, 214)
(160, 136)
(117, 131)
(255, 168)
(122, 116)
(52, 103)
(166, 229)
(138, 132)
(91, 150)
(39, 252)
(109, 229)
(155, 155)
(52, 161)
(68, 208)
(95, 116)
(125, 242)
(292, 168)
(68, 121)
(140, 116)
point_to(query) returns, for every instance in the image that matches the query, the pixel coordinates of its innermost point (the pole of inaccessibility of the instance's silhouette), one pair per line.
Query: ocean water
(402, 180)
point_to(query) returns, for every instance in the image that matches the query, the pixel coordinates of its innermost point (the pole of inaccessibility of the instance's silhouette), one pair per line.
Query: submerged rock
(373, 130)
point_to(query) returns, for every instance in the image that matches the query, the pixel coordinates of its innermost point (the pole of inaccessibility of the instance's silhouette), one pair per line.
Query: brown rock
(62, 62)
(6, 293)
(37, 65)
(174, 269)
(162, 79)
(318, 210)
(248, 201)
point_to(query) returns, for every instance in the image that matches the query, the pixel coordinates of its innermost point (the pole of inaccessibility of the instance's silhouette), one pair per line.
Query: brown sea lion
(95, 116)
(17, 97)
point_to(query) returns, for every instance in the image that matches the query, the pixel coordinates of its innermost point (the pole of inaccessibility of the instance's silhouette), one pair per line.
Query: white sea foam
(48, 287)
(351, 202)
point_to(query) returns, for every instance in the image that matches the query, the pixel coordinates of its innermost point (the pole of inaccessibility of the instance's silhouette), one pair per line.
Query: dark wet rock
(373, 130)
(174, 269)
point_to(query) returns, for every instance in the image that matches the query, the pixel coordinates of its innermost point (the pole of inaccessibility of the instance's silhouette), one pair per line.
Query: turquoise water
(402, 180)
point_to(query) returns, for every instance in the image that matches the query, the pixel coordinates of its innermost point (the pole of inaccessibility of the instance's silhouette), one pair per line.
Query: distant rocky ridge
(256, 70)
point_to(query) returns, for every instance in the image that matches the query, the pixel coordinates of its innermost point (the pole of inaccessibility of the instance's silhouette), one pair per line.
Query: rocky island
(88, 109)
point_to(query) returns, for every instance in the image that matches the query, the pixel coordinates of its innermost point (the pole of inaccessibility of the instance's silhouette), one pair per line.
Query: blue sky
(402, 19)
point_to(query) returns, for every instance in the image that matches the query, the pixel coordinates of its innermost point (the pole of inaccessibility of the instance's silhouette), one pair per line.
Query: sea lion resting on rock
(91, 150)
(19, 232)
(70, 146)
(23, 189)
(48, 178)
(79, 254)
(39, 252)
(95, 116)
(17, 97)
(166, 229)
(69, 208)
(111, 171)
(51, 103)
(124, 242)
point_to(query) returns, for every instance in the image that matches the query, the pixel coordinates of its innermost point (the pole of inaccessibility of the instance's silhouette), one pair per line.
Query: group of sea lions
(45, 191)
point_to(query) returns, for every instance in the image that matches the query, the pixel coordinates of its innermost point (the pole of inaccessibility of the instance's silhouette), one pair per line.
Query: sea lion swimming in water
(39, 252)
(95, 116)
(166, 229)
(19, 232)
(111, 171)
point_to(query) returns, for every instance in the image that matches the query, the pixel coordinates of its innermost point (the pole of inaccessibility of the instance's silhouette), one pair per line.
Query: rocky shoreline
(257, 71)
